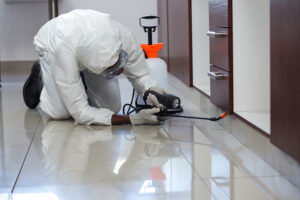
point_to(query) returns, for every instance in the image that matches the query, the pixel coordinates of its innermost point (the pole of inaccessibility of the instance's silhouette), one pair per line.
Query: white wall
(251, 54)
(200, 26)
(251, 57)
(126, 12)
(21, 21)
(18, 25)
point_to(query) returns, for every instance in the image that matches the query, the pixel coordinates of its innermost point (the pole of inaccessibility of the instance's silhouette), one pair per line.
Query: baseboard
(15, 71)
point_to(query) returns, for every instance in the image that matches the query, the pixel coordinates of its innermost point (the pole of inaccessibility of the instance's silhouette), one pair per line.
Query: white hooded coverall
(88, 41)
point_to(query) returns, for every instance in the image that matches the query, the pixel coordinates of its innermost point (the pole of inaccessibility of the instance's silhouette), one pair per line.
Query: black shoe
(33, 86)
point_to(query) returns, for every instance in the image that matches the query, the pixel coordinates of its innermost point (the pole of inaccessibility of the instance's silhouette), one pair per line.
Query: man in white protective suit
(80, 55)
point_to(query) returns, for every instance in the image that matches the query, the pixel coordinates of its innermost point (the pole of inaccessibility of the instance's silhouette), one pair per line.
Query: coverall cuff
(100, 120)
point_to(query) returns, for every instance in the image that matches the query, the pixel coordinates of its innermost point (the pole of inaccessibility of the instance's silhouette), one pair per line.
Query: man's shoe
(33, 86)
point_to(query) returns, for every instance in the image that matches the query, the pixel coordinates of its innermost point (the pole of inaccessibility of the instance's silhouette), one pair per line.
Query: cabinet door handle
(217, 75)
(216, 34)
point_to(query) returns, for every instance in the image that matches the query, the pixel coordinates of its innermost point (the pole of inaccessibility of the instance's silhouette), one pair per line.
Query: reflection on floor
(58, 160)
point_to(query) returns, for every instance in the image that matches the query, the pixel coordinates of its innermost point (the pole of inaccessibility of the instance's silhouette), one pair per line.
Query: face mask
(117, 68)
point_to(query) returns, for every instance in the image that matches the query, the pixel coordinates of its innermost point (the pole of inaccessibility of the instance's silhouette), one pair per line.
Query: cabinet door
(220, 33)
(162, 10)
(180, 43)
(221, 48)
(221, 87)
(285, 70)
(220, 13)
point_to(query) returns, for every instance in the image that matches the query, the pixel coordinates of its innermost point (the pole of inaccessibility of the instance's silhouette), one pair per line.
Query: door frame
(52, 8)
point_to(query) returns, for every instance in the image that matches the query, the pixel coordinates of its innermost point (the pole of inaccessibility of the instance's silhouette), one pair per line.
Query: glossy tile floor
(42, 159)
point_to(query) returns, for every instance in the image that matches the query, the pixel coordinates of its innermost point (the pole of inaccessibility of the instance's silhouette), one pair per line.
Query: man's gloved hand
(158, 90)
(146, 116)
(152, 98)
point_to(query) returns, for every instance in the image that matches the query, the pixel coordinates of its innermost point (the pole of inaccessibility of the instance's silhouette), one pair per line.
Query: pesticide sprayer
(158, 71)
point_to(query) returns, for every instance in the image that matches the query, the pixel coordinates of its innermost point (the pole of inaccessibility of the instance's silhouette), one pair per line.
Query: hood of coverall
(98, 51)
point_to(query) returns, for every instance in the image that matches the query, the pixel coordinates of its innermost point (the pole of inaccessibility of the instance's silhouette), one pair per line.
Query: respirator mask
(117, 68)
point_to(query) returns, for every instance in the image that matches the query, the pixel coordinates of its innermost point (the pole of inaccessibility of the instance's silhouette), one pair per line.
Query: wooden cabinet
(222, 93)
(220, 49)
(220, 33)
(163, 35)
(177, 37)
(285, 70)
(220, 13)
(175, 33)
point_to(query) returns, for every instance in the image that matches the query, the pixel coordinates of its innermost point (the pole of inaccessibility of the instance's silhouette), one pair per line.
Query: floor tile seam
(260, 184)
(190, 164)
(195, 143)
(218, 128)
(174, 143)
(205, 178)
(237, 177)
(181, 152)
(248, 177)
(266, 190)
(190, 142)
(218, 146)
(263, 189)
(207, 132)
(221, 189)
(22, 165)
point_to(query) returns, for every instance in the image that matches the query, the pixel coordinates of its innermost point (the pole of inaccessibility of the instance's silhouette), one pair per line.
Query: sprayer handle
(168, 100)
(149, 17)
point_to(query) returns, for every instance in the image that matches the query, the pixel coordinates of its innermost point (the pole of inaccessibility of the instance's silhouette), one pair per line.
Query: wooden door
(180, 40)
(52, 8)
(163, 36)
(222, 94)
(285, 70)
(220, 14)
(220, 33)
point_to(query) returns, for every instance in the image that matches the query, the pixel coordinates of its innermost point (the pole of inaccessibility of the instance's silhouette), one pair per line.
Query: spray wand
(223, 115)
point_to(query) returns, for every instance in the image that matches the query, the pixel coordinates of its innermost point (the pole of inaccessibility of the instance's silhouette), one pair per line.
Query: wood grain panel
(221, 49)
(180, 40)
(162, 10)
(220, 13)
(221, 90)
(285, 70)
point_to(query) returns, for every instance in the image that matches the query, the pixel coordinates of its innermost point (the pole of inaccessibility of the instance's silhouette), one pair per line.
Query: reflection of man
(88, 155)
(80, 54)
(66, 147)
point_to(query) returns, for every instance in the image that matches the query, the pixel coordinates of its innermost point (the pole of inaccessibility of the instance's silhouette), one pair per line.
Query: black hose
(129, 105)
(163, 114)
